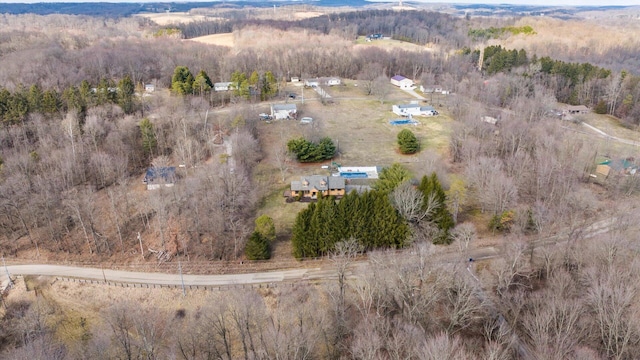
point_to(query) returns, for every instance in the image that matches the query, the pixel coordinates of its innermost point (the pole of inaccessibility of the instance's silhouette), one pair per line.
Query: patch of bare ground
(163, 19)
(216, 39)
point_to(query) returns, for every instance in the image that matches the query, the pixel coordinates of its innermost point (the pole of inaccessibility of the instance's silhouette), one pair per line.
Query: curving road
(314, 274)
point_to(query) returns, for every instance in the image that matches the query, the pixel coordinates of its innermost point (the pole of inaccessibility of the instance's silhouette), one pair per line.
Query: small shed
(156, 177)
(222, 86)
(149, 88)
(283, 111)
(402, 82)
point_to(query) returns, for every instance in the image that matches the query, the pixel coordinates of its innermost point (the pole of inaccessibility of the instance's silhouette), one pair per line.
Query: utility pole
(184, 292)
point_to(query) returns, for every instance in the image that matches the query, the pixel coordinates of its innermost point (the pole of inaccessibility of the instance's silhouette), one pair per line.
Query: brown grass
(163, 19)
(216, 39)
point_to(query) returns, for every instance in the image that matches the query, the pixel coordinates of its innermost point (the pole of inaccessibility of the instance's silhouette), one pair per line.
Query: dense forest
(78, 132)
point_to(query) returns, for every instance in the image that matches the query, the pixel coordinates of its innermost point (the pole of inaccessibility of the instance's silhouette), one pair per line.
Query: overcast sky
(515, 2)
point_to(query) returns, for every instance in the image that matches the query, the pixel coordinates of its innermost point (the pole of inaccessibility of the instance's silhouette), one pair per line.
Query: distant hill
(122, 9)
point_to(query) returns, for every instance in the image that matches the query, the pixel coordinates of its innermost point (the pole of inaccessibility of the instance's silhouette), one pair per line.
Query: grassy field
(359, 126)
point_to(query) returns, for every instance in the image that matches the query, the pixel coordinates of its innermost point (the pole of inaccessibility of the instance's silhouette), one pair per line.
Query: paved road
(316, 273)
(166, 279)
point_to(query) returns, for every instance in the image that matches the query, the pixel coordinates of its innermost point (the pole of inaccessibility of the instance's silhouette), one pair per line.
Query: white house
(222, 86)
(402, 82)
(283, 111)
(413, 110)
(438, 89)
(312, 82)
(149, 87)
(331, 81)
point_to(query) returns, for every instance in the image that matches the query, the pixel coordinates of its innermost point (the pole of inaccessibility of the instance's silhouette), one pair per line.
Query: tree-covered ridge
(418, 27)
(370, 218)
(497, 32)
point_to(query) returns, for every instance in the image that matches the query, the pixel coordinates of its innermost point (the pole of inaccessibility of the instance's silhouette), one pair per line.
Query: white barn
(402, 82)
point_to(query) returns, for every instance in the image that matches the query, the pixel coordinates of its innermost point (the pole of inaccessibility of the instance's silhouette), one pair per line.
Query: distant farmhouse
(284, 111)
(433, 89)
(157, 177)
(402, 82)
(222, 86)
(310, 187)
(328, 81)
(576, 109)
(413, 110)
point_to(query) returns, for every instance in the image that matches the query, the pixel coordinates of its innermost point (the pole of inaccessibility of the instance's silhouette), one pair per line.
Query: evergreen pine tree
(257, 247)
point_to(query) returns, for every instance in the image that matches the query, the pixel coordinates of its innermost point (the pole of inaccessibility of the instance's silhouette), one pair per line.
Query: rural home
(222, 86)
(413, 110)
(431, 89)
(576, 109)
(283, 111)
(331, 81)
(159, 176)
(402, 82)
(311, 186)
(312, 82)
(149, 88)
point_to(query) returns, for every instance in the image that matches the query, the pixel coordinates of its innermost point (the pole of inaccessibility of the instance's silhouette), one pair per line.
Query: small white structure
(149, 88)
(332, 81)
(430, 89)
(222, 86)
(413, 110)
(402, 82)
(489, 120)
(312, 82)
(295, 79)
(283, 111)
(306, 120)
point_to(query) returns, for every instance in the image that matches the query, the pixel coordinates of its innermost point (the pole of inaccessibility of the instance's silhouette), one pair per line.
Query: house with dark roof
(157, 177)
(402, 82)
(312, 186)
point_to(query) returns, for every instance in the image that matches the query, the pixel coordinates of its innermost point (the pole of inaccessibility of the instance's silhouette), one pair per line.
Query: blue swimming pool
(354, 175)
(402, 122)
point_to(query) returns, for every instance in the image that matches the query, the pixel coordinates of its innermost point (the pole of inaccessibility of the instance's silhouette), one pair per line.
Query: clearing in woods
(358, 125)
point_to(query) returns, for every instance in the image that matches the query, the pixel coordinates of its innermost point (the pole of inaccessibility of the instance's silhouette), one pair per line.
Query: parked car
(292, 96)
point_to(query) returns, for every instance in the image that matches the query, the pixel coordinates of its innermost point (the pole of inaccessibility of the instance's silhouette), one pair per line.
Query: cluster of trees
(496, 59)
(259, 244)
(16, 106)
(263, 86)
(307, 151)
(370, 218)
(497, 32)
